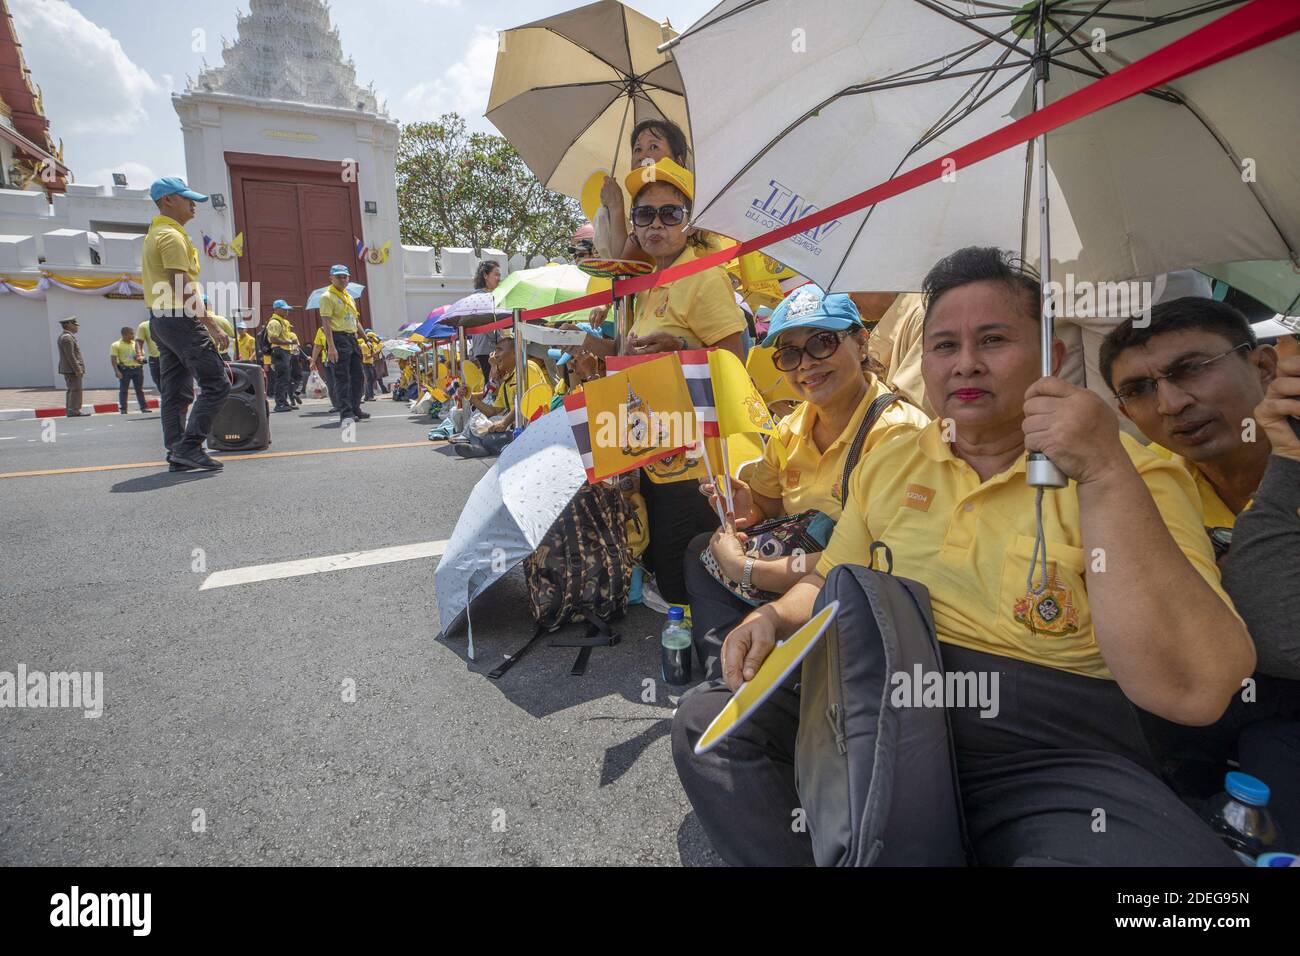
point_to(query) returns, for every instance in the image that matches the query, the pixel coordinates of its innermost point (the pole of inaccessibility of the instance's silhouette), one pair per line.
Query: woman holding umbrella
(652, 140)
(486, 279)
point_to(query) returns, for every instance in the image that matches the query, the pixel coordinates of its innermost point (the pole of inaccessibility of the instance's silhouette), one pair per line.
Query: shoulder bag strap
(874, 412)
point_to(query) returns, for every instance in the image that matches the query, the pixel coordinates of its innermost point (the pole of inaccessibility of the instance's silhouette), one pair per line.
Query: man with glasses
(1197, 384)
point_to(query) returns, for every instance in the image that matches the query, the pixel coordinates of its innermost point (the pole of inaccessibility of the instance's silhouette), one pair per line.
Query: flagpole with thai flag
(695, 368)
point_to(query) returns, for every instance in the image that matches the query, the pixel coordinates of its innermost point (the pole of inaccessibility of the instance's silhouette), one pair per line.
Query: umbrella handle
(1041, 473)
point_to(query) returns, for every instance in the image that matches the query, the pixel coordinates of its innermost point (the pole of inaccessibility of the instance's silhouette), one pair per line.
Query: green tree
(457, 188)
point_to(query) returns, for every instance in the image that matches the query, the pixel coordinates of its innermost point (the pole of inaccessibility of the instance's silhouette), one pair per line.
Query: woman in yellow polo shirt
(820, 346)
(698, 311)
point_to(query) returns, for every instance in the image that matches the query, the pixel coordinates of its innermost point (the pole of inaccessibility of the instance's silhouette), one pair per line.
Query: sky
(107, 68)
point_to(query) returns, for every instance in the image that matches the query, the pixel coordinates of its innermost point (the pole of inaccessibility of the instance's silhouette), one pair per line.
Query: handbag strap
(874, 412)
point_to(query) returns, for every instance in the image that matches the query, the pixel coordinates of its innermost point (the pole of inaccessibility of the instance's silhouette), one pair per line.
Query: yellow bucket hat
(664, 171)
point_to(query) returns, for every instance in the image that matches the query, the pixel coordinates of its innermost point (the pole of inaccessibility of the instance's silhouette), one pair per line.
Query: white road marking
(329, 562)
(8, 437)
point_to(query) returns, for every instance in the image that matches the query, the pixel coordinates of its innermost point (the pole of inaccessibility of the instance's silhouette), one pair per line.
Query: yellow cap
(664, 171)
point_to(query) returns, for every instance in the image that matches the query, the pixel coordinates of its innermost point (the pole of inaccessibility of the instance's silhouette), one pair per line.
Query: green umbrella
(1276, 284)
(546, 285)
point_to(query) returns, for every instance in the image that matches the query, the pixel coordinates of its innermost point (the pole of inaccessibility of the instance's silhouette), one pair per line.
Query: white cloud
(96, 88)
(463, 87)
(441, 3)
(138, 175)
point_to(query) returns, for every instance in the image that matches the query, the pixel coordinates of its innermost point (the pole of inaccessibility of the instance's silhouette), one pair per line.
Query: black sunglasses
(819, 346)
(671, 215)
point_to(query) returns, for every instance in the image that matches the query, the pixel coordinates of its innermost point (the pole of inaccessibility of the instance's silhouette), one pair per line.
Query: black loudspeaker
(243, 423)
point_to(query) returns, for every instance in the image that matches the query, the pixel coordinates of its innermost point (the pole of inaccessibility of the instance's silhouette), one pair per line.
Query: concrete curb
(22, 414)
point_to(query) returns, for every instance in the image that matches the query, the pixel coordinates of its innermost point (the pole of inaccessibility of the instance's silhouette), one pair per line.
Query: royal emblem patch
(1051, 613)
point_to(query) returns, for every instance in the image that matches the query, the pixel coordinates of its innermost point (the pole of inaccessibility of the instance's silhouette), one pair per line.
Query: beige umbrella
(568, 90)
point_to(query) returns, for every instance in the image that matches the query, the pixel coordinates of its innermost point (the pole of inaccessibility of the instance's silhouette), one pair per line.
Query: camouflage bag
(580, 572)
(583, 567)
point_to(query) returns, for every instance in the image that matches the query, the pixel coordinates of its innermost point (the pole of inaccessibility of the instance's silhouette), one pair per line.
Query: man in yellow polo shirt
(1194, 380)
(187, 337)
(148, 351)
(278, 331)
(126, 366)
(341, 319)
(1130, 611)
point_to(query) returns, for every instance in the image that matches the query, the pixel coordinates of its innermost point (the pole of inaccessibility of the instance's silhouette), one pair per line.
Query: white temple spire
(288, 50)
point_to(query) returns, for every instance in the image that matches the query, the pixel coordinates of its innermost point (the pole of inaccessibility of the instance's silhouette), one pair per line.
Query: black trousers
(131, 375)
(677, 512)
(369, 371)
(282, 375)
(1060, 776)
(714, 609)
(155, 372)
(349, 379)
(186, 354)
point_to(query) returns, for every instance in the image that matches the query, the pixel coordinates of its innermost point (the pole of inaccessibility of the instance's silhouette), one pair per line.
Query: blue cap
(281, 304)
(174, 186)
(340, 270)
(676, 613)
(809, 307)
(1249, 790)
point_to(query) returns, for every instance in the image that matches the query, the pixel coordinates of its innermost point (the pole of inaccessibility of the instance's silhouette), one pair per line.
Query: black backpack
(878, 782)
(263, 343)
(581, 571)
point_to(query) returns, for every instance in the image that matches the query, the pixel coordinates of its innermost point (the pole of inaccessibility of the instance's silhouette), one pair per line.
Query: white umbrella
(477, 308)
(313, 301)
(507, 514)
(786, 121)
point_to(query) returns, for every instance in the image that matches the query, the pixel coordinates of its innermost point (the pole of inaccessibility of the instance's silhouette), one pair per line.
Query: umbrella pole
(620, 326)
(1039, 471)
(521, 370)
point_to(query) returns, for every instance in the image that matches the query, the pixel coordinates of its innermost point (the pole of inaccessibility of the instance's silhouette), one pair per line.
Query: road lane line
(87, 469)
(329, 562)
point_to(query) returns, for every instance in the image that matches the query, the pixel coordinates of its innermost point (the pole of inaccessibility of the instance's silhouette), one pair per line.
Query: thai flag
(209, 245)
(575, 407)
(695, 366)
(362, 249)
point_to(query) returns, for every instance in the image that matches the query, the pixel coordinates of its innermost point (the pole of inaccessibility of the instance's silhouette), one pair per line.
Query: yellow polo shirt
(277, 327)
(142, 334)
(811, 478)
(247, 347)
(166, 246)
(124, 352)
(1214, 512)
(700, 308)
(338, 310)
(970, 543)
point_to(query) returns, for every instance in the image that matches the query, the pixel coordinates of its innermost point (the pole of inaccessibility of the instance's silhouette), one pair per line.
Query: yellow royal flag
(638, 416)
(741, 409)
(770, 380)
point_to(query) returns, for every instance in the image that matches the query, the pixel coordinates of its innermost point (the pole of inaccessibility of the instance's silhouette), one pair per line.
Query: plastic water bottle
(1241, 819)
(675, 649)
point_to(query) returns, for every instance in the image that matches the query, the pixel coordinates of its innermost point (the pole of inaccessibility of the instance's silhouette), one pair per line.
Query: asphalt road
(231, 701)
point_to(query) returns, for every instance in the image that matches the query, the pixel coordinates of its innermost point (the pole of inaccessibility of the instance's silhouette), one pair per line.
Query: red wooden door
(273, 244)
(325, 215)
(298, 219)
